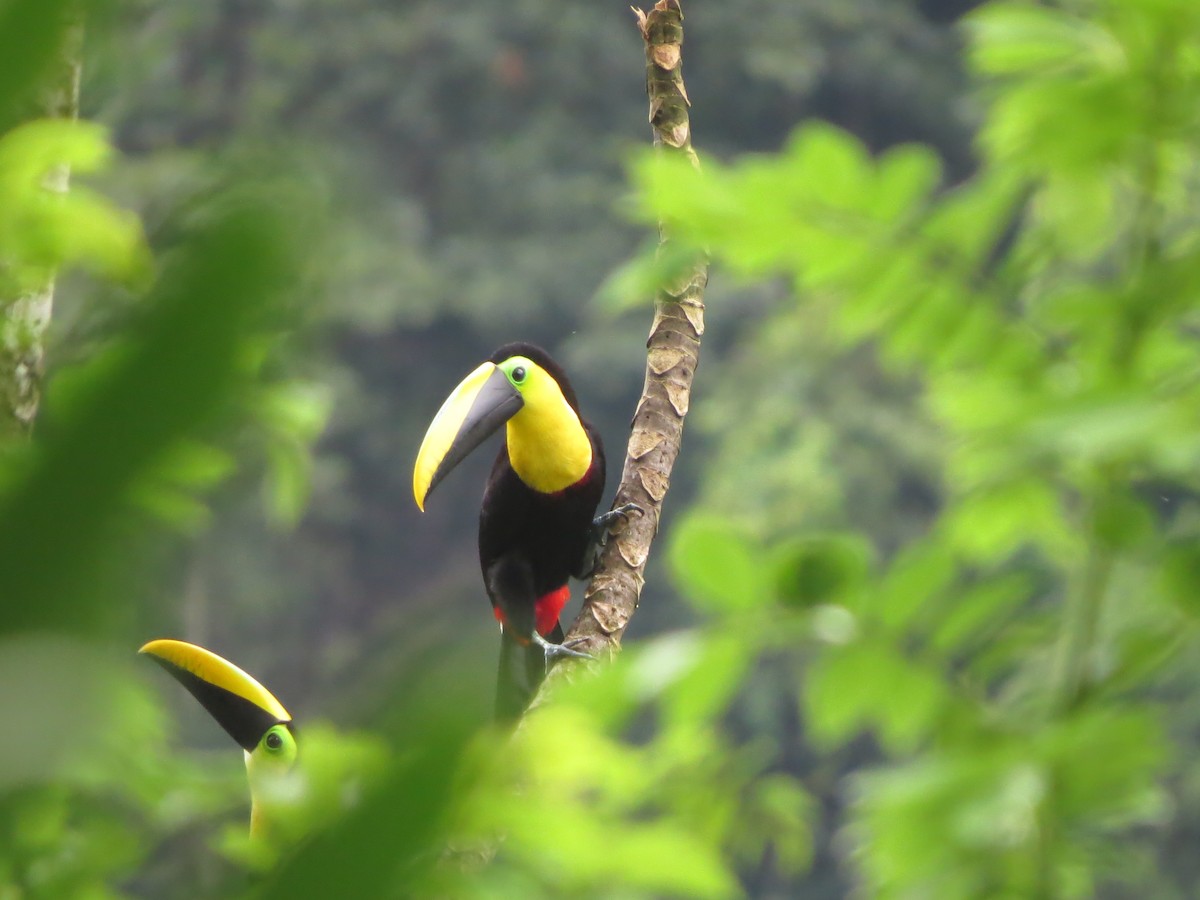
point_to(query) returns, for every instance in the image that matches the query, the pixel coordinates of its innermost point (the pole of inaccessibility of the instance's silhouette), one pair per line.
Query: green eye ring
(278, 741)
(518, 370)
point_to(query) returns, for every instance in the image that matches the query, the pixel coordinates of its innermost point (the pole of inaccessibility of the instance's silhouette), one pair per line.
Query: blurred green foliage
(94, 793)
(1016, 659)
(41, 231)
(941, 560)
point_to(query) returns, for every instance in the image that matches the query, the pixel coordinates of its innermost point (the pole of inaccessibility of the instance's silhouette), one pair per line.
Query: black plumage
(530, 545)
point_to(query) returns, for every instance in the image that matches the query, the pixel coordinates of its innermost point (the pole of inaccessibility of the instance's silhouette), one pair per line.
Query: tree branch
(673, 353)
(24, 319)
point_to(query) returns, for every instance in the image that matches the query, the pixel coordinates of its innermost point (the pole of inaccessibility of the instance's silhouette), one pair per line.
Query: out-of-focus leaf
(389, 842)
(992, 523)
(983, 808)
(296, 409)
(1020, 37)
(333, 772)
(613, 807)
(168, 489)
(42, 229)
(68, 698)
(638, 281)
(918, 575)
(820, 569)
(172, 506)
(974, 612)
(1122, 522)
(714, 677)
(841, 691)
(905, 179)
(31, 36)
(869, 686)
(213, 292)
(788, 808)
(717, 567)
(1180, 574)
(289, 481)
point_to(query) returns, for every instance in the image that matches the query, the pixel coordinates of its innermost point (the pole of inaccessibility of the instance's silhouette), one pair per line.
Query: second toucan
(536, 527)
(244, 708)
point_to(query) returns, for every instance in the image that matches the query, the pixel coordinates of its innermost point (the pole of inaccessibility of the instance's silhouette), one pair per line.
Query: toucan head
(243, 707)
(520, 385)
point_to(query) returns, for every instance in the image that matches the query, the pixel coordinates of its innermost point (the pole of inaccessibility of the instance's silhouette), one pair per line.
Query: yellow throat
(269, 792)
(547, 444)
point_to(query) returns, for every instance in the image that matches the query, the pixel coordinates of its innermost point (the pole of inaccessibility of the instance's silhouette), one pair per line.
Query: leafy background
(922, 618)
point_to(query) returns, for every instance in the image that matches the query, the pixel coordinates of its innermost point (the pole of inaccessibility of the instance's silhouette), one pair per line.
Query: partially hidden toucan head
(522, 388)
(240, 704)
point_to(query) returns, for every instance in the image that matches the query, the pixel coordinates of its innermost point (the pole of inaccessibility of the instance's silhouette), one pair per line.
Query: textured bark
(673, 351)
(24, 319)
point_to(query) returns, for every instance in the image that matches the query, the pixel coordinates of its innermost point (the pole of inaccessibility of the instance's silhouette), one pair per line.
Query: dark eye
(518, 374)
(274, 741)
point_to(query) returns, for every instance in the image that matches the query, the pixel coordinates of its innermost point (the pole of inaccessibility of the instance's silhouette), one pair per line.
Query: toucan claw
(558, 651)
(603, 522)
(601, 528)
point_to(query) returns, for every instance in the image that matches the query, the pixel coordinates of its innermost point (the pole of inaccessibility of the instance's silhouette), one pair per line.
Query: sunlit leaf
(1017, 37)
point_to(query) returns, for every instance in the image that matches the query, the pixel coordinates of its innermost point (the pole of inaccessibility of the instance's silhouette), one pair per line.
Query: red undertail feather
(549, 607)
(546, 610)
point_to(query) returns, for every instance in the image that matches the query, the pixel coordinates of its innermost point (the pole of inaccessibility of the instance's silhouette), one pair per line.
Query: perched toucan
(535, 527)
(242, 706)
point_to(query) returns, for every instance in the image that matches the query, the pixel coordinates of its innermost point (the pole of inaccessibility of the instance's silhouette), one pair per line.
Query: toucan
(242, 706)
(536, 526)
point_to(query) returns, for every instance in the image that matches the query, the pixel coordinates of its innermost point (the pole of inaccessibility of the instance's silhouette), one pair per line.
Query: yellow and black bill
(242, 706)
(482, 402)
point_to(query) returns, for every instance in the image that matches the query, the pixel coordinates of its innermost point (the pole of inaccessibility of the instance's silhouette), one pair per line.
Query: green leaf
(788, 808)
(991, 523)
(173, 507)
(637, 282)
(905, 178)
(869, 685)
(42, 229)
(830, 163)
(1024, 37)
(1180, 574)
(916, 578)
(1080, 214)
(841, 692)
(1121, 521)
(915, 697)
(716, 673)
(976, 612)
(297, 410)
(195, 464)
(716, 566)
(73, 711)
(820, 568)
(289, 481)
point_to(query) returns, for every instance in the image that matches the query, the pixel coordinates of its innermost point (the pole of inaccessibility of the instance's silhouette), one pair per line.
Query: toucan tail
(522, 668)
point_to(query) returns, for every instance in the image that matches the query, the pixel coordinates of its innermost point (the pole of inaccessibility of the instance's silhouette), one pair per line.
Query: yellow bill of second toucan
(248, 712)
